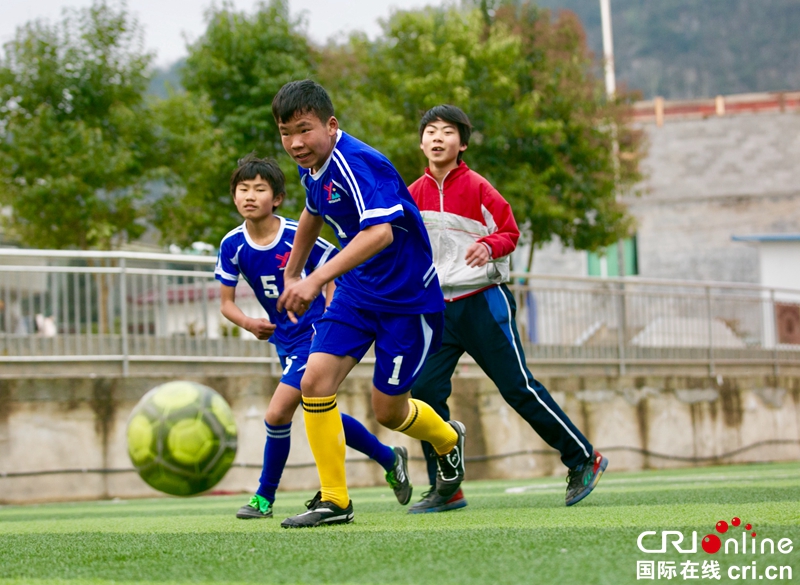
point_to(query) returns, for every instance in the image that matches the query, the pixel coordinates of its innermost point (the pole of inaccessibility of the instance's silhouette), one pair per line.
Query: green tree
(234, 70)
(196, 157)
(543, 126)
(74, 130)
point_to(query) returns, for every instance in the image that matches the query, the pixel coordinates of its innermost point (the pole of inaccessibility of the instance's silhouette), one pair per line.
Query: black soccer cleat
(432, 502)
(313, 501)
(398, 477)
(582, 479)
(319, 513)
(451, 465)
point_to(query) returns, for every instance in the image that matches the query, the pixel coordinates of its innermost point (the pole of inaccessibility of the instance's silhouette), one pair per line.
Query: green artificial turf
(512, 532)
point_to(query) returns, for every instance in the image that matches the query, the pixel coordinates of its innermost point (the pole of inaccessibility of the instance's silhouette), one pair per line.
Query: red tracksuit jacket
(464, 209)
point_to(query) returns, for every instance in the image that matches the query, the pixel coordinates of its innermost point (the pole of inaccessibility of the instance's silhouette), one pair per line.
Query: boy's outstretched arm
(297, 297)
(503, 240)
(261, 328)
(309, 227)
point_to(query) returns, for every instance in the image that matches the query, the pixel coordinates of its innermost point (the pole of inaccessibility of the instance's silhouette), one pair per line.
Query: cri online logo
(712, 543)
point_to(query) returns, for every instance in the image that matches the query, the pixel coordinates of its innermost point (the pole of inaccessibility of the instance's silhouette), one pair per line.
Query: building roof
(659, 110)
(767, 238)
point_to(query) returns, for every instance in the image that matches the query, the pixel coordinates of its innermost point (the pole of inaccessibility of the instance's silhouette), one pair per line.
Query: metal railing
(123, 308)
(639, 322)
(118, 307)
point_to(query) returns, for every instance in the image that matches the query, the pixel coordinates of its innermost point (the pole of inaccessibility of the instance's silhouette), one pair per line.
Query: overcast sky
(167, 23)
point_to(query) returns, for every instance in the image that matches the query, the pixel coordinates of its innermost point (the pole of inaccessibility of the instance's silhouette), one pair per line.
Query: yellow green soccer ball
(182, 438)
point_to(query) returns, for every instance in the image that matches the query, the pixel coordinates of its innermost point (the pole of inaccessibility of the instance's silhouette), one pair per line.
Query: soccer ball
(182, 438)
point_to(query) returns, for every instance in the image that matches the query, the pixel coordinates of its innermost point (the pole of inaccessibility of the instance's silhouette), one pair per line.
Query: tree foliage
(544, 130)
(232, 73)
(84, 158)
(196, 157)
(74, 134)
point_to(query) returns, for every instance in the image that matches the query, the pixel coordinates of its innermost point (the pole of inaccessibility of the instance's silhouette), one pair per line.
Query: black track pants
(484, 326)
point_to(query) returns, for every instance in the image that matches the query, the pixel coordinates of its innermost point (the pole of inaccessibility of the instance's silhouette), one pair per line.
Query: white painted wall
(780, 265)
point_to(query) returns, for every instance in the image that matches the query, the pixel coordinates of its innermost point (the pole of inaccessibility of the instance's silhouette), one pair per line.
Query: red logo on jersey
(333, 196)
(284, 258)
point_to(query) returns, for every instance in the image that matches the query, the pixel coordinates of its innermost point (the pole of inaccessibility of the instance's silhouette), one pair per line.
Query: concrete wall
(59, 424)
(709, 179)
(706, 180)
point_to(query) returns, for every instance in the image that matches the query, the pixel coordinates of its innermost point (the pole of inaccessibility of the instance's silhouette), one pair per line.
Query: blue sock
(276, 452)
(359, 438)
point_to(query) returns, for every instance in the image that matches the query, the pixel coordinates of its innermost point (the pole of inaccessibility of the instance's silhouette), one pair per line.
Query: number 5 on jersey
(270, 288)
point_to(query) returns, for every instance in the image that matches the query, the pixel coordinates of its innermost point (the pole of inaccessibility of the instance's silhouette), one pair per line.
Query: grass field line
(376, 496)
(671, 481)
(475, 518)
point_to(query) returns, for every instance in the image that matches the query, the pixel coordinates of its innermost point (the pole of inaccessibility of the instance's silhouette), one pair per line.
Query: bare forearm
(234, 314)
(364, 246)
(308, 229)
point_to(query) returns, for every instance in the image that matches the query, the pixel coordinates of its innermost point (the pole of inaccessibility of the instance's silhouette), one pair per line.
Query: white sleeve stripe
(356, 198)
(429, 279)
(428, 272)
(311, 209)
(351, 180)
(324, 257)
(381, 212)
(233, 232)
(226, 275)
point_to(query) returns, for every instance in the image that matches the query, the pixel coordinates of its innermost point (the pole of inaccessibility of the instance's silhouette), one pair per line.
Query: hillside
(683, 49)
(678, 49)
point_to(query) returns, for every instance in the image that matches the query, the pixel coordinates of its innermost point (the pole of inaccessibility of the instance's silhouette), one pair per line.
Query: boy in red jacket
(472, 232)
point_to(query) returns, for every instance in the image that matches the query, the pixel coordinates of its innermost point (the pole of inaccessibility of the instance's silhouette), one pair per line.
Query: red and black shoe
(582, 479)
(432, 501)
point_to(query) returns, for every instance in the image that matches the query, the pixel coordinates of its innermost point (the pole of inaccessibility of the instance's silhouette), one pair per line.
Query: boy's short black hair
(301, 97)
(251, 167)
(452, 115)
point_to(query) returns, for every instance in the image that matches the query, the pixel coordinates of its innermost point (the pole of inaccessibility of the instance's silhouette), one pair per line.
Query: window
(604, 262)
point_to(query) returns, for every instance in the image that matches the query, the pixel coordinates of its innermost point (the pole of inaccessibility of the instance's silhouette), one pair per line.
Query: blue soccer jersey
(358, 187)
(262, 268)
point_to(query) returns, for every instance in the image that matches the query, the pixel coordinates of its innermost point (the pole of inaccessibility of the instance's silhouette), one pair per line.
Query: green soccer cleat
(398, 478)
(582, 479)
(259, 507)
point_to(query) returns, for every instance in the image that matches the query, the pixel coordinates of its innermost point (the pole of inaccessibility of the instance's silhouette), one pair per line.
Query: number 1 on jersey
(395, 379)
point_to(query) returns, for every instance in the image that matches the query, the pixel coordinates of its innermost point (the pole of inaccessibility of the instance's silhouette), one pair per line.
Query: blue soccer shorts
(402, 342)
(294, 366)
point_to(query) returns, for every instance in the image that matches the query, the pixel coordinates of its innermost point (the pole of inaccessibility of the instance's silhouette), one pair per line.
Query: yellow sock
(326, 438)
(424, 424)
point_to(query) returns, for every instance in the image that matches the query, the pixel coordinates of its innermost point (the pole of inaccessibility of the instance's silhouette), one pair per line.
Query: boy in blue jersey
(258, 250)
(387, 292)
